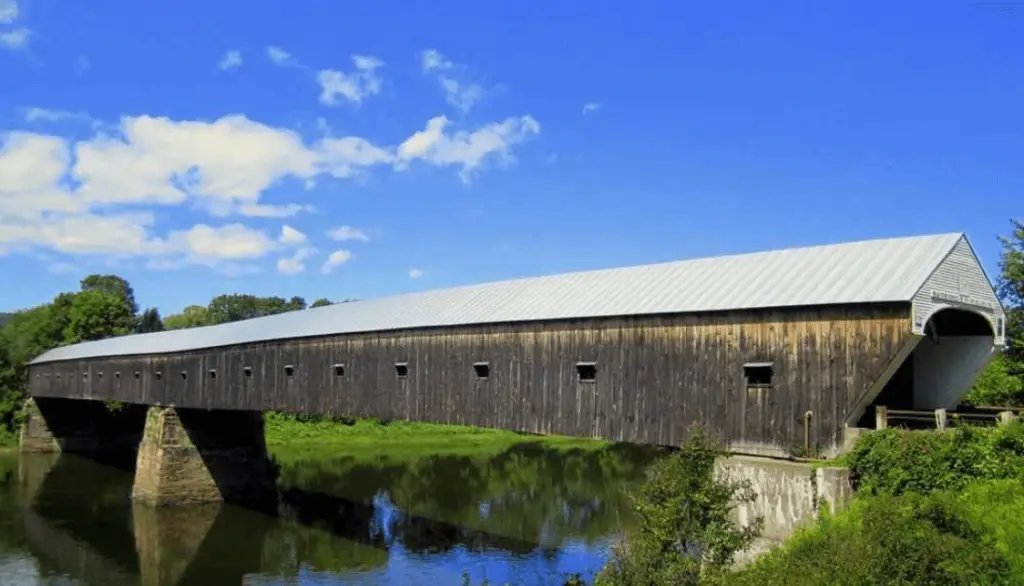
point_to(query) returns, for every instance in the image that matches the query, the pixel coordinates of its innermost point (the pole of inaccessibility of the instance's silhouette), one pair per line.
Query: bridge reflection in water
(511, 516)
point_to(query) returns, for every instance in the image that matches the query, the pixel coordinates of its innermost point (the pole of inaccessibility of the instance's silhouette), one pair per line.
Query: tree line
(105, 306)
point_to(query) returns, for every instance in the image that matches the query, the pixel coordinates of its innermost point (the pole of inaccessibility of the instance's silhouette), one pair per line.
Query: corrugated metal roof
(855, 272)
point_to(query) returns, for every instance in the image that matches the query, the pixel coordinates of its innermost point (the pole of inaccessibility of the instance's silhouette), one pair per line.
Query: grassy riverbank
(290, 437)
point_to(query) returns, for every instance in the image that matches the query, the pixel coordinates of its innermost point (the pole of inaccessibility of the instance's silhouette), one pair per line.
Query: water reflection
(526, 515)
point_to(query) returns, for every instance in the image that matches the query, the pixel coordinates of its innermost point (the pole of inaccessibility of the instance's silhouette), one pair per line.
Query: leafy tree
(236, 307)
(95, 314)
(193, 316)
(149, 321)
(112, 285)
(686, 535)
(321, 302)
(1011, 289)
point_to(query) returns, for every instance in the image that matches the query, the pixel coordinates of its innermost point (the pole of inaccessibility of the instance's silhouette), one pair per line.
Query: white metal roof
(855, 272)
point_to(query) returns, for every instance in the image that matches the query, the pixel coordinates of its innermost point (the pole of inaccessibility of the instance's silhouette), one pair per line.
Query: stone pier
(83, 427)
(198, 456)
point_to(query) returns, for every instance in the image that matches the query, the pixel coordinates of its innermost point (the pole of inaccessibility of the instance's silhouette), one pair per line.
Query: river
(524, 515)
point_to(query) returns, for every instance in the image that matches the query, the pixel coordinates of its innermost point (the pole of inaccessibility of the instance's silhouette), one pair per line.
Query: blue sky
(202, 148)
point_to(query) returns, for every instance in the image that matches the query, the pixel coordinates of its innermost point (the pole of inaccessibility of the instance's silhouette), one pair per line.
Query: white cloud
(342, 233)
(334, 260)
(291, 236)
(466, 149)
(343, 157)
(363, 82)
(591, 107)
(433, 59)
(230, 59)
(15, 39)
(94, 196)
(415, 273)
(294, 264)
(459, 94)
(279, 56)
(261, 210)
(35, 114)
(8, 11)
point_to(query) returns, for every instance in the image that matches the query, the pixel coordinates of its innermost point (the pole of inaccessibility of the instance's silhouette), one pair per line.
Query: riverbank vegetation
(315, 437)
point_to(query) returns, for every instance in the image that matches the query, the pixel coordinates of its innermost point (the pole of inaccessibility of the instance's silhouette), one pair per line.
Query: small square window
(339, 370)
(758, 374)
(117, 374)
(247, 370)
(482, 369)
(402, 369)
(586, 372)
(289, 370)
(159, 375)
(137, 375)
(212, 372)
(99, 375)
(85, 375)
(184, 375)
(58, 377)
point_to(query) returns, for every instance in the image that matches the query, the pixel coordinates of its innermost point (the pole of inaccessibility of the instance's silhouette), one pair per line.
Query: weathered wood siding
(655, 375)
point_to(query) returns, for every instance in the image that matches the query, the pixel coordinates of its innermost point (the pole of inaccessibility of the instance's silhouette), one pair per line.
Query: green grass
(366, 437)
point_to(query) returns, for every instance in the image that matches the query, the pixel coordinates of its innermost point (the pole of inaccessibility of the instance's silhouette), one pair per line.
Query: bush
(686, 534)
(895, 461)
(910, 539)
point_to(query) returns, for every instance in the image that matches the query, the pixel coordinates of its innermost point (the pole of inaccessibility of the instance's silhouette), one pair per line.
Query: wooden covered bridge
(773, 351)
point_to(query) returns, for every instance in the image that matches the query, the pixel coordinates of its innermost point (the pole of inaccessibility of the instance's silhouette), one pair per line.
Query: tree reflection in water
(340, 516)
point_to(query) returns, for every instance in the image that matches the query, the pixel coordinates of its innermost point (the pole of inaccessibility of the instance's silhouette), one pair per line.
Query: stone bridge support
(195, 456)
(83, 427)
(180, 456)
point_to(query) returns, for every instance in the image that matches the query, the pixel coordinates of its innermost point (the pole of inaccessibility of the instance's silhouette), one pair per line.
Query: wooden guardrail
(941, 418)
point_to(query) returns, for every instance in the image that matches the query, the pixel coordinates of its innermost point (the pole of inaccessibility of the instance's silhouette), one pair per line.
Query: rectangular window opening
(85, 375)
(289, 370)
(117, 374)
(213, 373)
(137, 374)
(339, 370)
(99, 375)
(248, 371)
(758, 374)
(184, 375)
(482, 369)
(402, 369)
(586, 372)
(159, 375)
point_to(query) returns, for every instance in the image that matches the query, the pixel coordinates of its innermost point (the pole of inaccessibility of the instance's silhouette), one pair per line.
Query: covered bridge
(766, 349)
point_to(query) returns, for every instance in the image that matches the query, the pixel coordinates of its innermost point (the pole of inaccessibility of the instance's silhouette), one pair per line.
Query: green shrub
(911, 539)
(686, 534)
(895, 461)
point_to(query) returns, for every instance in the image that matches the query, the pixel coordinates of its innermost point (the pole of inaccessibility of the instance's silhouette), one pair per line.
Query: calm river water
(527, 515)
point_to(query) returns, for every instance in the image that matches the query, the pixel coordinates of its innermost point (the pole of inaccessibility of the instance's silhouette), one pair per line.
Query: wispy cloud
(416, 273)
(354, 86)
(15, 39)
(294, 264)
(279, 56)
(8, 11)
(230, 59)
(459, 94)
(591, 107)
(36, 114)
(342, 233)
(335, 260)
